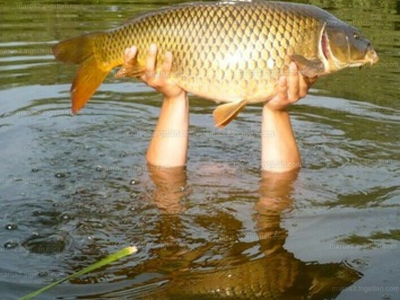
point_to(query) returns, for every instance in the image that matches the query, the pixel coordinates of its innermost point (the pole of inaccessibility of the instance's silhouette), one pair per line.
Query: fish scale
(226, 52)
(235, 28)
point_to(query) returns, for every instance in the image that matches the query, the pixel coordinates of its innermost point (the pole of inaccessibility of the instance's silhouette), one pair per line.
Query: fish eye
(356, 36)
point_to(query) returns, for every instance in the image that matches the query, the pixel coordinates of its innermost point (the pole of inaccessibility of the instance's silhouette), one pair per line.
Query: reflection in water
(170, 187)
(274, 273)
(66, 197)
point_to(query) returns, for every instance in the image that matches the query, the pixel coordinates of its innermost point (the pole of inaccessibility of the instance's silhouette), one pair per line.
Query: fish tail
(86, 51)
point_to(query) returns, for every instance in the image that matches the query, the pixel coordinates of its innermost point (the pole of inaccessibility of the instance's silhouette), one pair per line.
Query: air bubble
(11, 226)
(46, 244)
(11, 245)
(133, 182)
(60, 175)
(65, 217)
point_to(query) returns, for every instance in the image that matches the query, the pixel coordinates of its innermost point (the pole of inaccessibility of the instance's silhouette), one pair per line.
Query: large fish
(279, 277)
(230, 52)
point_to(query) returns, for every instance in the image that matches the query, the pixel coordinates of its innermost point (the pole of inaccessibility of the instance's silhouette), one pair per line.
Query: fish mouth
(372, 57)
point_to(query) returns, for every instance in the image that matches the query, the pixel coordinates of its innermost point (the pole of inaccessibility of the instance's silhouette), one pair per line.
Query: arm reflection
(170, 184)
(272, 273)
(275, 197)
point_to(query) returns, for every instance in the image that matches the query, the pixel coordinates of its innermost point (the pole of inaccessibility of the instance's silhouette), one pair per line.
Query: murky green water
(73, 189)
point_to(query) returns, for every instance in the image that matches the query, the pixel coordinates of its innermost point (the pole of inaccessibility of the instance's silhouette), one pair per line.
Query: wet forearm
(168, 147)
(279, 149)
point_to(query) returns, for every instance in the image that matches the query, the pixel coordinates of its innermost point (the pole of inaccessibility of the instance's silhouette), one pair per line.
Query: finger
(151, 62)
(311, 81)
(130, 55)
(167, 65)
(129, 61)
(282, 88)
(304, 86)
(293, 83)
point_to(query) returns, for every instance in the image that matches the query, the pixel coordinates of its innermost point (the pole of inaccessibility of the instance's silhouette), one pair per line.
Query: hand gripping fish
(230, 52)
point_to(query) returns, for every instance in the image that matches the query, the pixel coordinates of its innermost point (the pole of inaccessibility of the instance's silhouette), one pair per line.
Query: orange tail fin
(92, 70)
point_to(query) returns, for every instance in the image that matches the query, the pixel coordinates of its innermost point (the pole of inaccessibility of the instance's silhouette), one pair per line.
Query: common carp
(231, 52)
(279, 277)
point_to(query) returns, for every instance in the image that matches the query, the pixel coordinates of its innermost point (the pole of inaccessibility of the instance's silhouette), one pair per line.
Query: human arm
(279, 151)
(169, 143)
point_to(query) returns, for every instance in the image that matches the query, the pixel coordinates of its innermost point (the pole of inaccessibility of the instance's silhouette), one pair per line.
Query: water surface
(75, 188)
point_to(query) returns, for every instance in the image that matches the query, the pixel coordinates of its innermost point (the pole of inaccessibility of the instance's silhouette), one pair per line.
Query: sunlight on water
(74, 188)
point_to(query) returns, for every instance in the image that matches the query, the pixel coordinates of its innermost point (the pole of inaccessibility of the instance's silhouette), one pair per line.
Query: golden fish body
(223, 51)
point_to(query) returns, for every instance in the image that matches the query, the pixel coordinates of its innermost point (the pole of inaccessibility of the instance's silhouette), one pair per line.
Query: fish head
(344, 46)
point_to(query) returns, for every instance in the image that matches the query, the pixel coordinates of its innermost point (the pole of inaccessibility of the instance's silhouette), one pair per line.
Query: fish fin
(87, 79)
(134, 69)
(225, 113)
(92, 70)
(307, 67)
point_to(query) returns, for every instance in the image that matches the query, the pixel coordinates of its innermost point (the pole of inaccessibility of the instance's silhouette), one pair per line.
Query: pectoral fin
(225, 113)
(309, 68)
